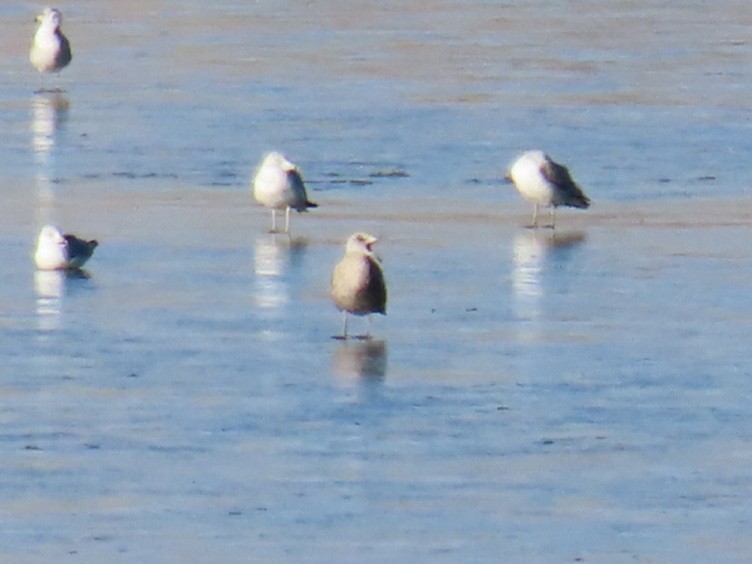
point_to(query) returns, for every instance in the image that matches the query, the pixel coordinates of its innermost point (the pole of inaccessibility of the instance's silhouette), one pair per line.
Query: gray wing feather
(376, 289)
(571, 194)
(65, 55)
(296, 181)
(79, 251)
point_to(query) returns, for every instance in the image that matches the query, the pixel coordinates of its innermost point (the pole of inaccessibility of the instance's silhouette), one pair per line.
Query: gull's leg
(287, 219)
(343, 336)
(535, 216)
(274, 220)
(367, 335)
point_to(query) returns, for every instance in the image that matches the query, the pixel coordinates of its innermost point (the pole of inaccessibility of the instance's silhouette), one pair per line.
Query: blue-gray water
(530, 396)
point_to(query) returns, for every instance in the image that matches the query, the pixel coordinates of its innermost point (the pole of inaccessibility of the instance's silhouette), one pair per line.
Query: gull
(545, 183)
(50, 49)
(56, 251)
(277, 184)
(358, 286)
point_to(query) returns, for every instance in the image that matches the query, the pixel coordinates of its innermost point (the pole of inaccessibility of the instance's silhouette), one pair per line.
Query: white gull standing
(358, 286)
(56, 251)
(278, 185)
(545, 183)
(50, 49)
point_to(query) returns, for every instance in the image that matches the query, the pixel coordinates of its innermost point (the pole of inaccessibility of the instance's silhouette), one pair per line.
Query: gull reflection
(50, 287)
(531, 250)
(49, 112)
(271, 259)
(361, 359)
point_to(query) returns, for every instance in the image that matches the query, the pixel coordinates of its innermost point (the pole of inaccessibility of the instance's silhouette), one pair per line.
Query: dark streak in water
(143, 176)
(389, 174)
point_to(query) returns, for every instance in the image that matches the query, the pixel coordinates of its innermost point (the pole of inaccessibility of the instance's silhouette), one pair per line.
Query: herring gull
(50, 49)
(56, 251)
(277, 184)
(545, 182)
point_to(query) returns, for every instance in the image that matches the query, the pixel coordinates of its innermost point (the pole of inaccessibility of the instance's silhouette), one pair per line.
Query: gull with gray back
(50, 49)
(55, 251)
(544, 182)
(278, 185)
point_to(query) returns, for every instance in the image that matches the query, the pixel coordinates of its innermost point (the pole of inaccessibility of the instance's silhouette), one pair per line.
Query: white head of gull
(544, 182)
(278, 185)
(56, 251)
(50, 49)
(358, 285)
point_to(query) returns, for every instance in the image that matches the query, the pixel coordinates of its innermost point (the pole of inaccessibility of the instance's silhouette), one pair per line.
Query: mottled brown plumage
(358, 286)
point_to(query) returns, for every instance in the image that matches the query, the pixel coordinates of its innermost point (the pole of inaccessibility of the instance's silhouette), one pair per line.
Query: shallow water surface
(577, 394)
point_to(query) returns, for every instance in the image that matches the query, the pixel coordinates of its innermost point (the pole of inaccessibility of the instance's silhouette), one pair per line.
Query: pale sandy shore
(228, 216)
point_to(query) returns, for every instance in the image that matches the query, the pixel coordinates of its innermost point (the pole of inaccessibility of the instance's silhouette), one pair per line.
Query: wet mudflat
(577, 394)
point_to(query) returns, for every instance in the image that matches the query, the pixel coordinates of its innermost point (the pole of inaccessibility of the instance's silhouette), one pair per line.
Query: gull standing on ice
(545, 183)
(277, 184)
(50, 49)
(358, 285)
(56, 251)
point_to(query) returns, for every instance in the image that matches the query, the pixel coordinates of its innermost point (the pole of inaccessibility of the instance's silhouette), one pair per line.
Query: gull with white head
(544, 182)
(278, 185)
(56, 251)
(50, 49)
(358, 285)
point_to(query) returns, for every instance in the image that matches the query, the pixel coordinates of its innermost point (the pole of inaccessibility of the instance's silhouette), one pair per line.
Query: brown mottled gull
(358, 286)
